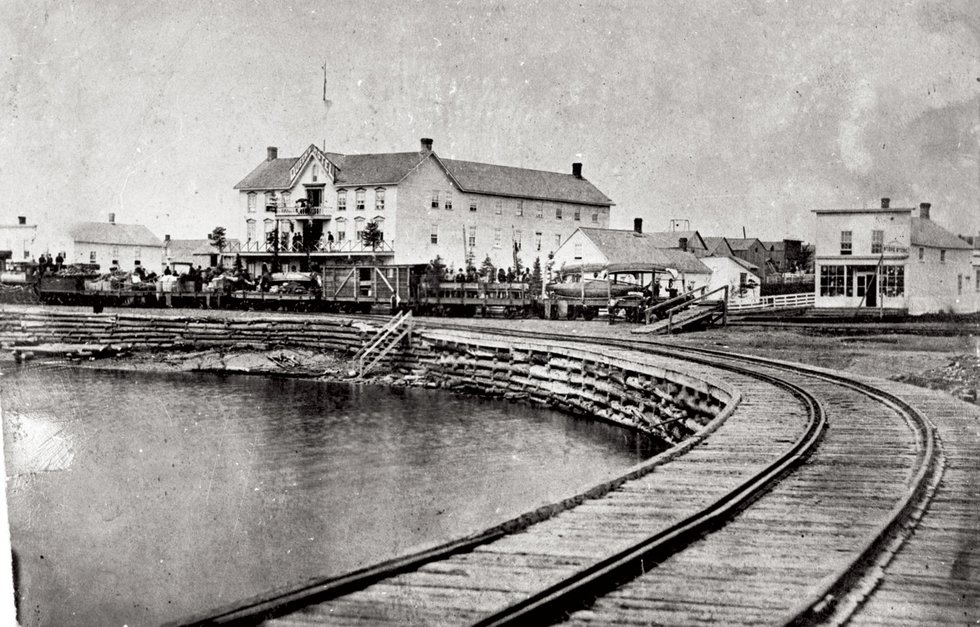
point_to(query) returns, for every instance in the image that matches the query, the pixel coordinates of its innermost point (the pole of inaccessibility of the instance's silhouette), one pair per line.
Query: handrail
(686, 296)
(723, 305)
(387, 332)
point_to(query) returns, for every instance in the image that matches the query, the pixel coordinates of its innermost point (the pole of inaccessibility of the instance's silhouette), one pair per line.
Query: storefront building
(886, 258)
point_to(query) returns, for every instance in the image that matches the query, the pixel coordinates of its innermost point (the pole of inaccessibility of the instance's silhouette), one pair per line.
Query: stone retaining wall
(669, 404)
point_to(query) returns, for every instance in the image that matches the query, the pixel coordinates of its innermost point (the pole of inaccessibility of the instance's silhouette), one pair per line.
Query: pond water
(139, 498)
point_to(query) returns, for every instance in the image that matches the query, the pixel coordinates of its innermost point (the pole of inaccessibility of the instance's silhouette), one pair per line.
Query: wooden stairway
(399, 327)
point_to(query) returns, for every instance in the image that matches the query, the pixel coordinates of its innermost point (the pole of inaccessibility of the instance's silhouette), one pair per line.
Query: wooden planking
(589, 533)
(935, 577)
(803, 530)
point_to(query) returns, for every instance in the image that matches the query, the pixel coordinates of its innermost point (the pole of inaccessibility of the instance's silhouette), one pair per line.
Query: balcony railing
(299, 210)
(321, 247)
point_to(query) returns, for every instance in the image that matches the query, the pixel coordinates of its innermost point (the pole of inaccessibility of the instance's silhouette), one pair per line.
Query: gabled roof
(717, 245)
(470, 176)
(113, 233)
(671, 239)
(376, 169)
(927, 233)
(775, 245)
(743, 244)
(502, 180)
(623, 247)
(749, 266)
(270, 174)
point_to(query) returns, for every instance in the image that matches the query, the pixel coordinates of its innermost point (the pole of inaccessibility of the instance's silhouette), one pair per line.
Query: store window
(893, 281)
(833, 281)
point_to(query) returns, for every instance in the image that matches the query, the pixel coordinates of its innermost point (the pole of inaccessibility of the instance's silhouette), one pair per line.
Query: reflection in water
(183, 492)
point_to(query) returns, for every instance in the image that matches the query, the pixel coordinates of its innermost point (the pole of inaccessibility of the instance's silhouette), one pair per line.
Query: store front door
(866, 285)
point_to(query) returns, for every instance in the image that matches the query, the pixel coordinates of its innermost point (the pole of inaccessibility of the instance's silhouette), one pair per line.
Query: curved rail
(550, 604)
(864, 569)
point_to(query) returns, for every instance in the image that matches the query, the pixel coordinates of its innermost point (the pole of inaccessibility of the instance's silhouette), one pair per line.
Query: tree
(487, 270)
(218, 240)
(536, 276)
(372, 236)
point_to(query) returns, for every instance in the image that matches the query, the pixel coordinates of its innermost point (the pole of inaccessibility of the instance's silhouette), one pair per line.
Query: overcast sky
(729, 115)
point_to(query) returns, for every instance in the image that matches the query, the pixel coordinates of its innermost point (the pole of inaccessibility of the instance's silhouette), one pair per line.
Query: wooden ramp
(694, 315)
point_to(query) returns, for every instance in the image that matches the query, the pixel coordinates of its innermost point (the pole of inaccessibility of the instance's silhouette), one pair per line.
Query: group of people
(501, 276)
(47, 265)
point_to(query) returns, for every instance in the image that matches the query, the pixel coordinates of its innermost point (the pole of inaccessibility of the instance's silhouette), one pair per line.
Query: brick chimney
(577, 170)
(637, 225)
(885, 202)
(924, 210)
(271, 153)
(112, 218)
(21, 219)
(426, 146)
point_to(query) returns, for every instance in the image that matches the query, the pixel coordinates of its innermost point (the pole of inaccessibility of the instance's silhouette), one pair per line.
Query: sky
(741, 115)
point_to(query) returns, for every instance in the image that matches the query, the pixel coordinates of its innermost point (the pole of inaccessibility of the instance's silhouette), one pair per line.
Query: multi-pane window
(978, 279)
(270, 201)
(250, 230)
(497, 207)
(577, 216)
(517, 240)
(342, 200)
(471, 241)
(496, 237)
(359, 199)
(341, 229)
(537, 241)
(877, 242)
(435, 199)
(845, 242)
(285, 199)
(269, 227)
(578, 250)
(922, 254)
(472, 206)
(251, 202)
(91, 256)
(434, 233)
(379, 199)
(893, 281)
(316, 172)
(557, 240)
(449, 200)
(959, 283)
(595, 216)
(115, 252)
(942, 256)
(520, 207)
(139, 251)
(539, 210)
(558, 213)
(358, 228)
(833, 281)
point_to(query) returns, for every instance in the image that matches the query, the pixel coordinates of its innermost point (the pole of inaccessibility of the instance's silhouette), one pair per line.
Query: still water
(141, 498)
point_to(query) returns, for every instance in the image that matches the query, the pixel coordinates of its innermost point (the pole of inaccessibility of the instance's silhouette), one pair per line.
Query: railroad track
(738, 530)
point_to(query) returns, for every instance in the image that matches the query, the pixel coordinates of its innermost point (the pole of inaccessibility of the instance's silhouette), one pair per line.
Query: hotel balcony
(319, 248)
(300, 210)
